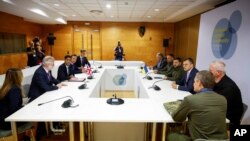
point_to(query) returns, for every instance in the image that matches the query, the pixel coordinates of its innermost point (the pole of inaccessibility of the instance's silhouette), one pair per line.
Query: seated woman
(11, 98)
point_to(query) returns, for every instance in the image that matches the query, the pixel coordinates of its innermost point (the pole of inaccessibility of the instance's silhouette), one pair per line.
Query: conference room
(124, 70)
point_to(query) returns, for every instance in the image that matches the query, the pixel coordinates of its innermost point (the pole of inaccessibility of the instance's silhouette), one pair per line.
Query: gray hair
(48, 59)
(219, 65)
(206, 78)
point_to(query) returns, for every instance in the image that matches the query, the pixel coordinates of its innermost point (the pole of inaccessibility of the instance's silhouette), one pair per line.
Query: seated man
(228, 88)
(82, 60)
(177, 72)
(42, 80)
(168, 69)
(74, 66)
(65, 70)
(187, 81)
(206, 111)
(161, 62)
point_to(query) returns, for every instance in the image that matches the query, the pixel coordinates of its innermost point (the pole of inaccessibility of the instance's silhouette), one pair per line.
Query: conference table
(145, 107)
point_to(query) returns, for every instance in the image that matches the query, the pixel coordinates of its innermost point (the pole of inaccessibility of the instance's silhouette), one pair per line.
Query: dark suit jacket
(231, 91)
(76, 69)
(163, 64)
(187, 85)
(41, 83)
(10, 104)
(62, 72)
(85, 61)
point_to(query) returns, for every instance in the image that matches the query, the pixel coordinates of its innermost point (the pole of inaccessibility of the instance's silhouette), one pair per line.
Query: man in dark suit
(42, 80)
(82, 60)
(74, 66)
(187, 81)
(225, 86)
(161, 62)
(65, 70)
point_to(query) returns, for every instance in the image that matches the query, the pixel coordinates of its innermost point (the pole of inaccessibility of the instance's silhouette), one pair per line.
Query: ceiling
(61, 11)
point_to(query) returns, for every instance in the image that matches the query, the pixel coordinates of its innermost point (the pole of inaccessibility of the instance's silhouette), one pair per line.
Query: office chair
(245, 107)
(6, 135)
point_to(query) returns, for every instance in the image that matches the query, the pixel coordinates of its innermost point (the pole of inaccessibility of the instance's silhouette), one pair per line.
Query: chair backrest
(245, 107)
(210, 140)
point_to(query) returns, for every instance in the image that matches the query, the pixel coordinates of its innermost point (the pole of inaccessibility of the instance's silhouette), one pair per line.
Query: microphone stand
(157, 88)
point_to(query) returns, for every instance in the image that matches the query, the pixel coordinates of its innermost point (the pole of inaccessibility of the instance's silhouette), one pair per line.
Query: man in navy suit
(65, 70)
(82, 60)
(42, 80)
(74, 67)
(187, 81)
(161, 62)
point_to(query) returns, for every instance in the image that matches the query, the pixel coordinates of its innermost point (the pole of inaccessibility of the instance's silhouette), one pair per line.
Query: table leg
(71, 131)
(14, 130)
(81, 131)
(164, 131)
(154, 132)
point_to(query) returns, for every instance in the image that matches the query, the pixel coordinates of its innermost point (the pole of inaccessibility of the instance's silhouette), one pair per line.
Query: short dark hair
(160, 54)
(171, 54)
(82, 50)
(67, 56)
(206, 78)
(178, 58)
(73, 55)
(190, 60)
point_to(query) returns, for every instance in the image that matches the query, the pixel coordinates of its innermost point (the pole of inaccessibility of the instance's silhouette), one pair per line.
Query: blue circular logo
(224, 38)
(120, 80)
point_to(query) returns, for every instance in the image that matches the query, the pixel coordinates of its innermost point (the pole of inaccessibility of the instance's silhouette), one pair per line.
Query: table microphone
(147, 76)
(65, 104)
(157, 88)
(100, 64)
(120, 66)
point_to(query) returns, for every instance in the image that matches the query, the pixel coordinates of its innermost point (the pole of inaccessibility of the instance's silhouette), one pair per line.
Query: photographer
(31, 53)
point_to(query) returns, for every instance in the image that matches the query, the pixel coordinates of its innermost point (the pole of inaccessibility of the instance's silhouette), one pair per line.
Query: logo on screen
(224, 38)
(120, 80)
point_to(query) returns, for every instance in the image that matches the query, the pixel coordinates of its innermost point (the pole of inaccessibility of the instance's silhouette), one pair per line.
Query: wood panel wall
(183, 39)
(14, 24)
(136, 47)
(186, 37)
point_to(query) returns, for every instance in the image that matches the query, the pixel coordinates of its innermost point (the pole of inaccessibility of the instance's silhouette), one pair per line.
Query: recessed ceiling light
(74, 15)
(56, 4)
(8, 1)
(149, 16)
(97, 12)
(108, 6)
(61, 20)
(111, 16)
(157, 10)
(38, 11)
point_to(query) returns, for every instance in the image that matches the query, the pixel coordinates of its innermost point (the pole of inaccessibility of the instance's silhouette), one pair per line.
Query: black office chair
(6, 135)
(245, 107)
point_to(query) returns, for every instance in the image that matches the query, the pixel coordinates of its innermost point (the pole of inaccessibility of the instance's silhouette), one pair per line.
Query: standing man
(228, 88)
(187, 81)
(119, 52)
(177, 72)
(82, 60)
(205, 111)
(42, 80)
(65, 70)
(31, 53)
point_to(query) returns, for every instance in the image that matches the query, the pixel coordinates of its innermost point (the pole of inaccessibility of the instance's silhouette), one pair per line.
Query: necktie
(67, 67)
(187, 76)
(48, 74)
(82, 61)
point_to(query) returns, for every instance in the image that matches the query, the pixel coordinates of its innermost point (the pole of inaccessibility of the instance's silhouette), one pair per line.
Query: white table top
(149, 109)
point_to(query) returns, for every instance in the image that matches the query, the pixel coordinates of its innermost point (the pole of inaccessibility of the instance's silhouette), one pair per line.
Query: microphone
(147, 76)
(120, 66)
(66, 104)
(100, 64)
(115, 100)
(95, 70)
(157, 88)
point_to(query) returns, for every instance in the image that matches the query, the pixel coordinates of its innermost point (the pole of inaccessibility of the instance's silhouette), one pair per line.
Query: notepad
(77, 79)
(172, 106)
